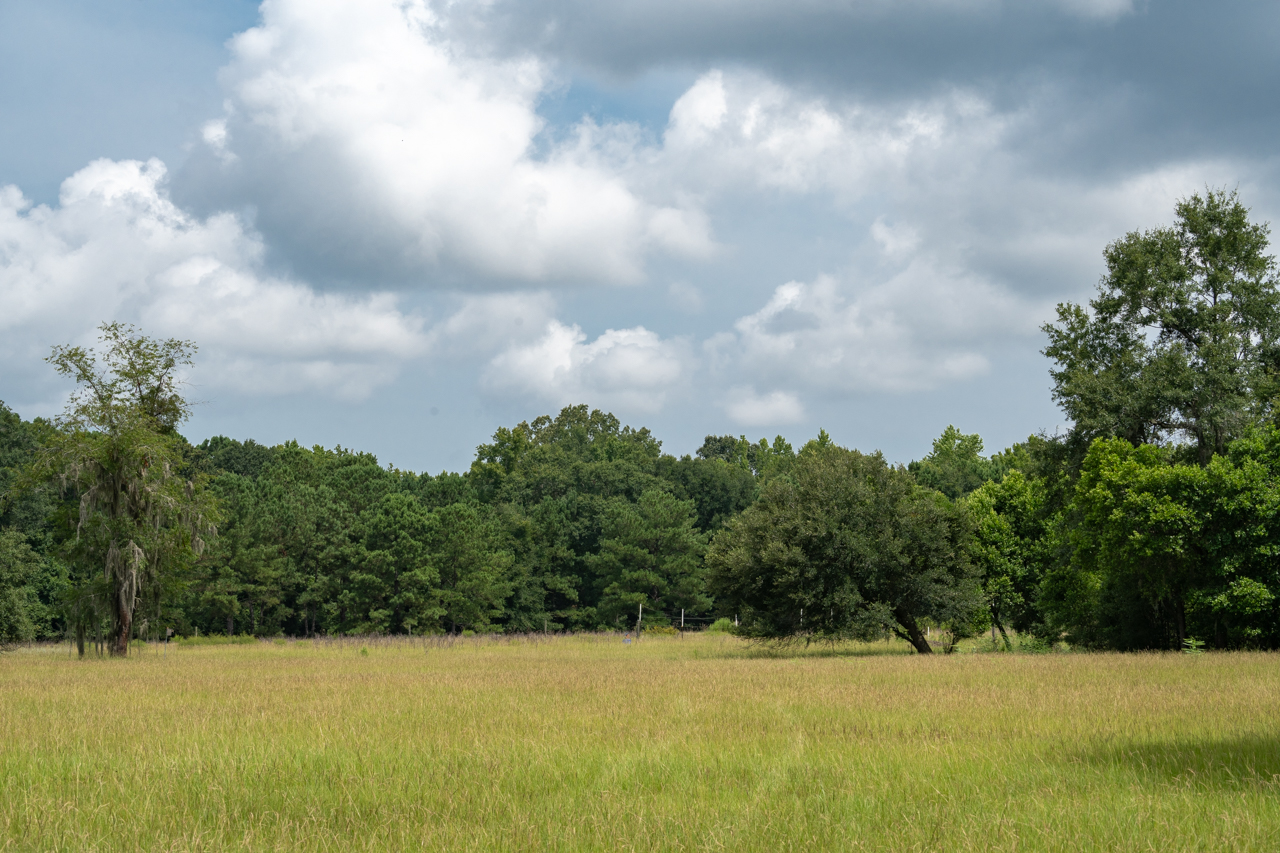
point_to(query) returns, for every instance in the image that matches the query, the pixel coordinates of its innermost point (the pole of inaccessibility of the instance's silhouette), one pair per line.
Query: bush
(660, 631)
(723, 625)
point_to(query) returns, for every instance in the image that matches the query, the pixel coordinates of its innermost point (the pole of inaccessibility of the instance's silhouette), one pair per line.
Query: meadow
(588, 743)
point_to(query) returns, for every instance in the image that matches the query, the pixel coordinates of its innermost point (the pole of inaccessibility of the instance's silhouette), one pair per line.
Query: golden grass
(672, 744)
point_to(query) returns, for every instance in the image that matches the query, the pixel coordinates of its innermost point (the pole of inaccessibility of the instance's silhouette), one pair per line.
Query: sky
(396, 225)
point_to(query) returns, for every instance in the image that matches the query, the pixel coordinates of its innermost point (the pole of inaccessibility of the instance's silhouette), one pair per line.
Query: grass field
(584, 743)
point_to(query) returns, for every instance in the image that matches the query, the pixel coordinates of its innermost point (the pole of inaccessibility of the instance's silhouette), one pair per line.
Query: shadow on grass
(1251, 761)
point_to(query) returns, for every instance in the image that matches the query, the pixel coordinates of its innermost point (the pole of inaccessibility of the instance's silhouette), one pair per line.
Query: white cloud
(748, 408)
(368, 139)
(1105, 10)
(488, 323)
(951, 180)
(117, 248)
(921, 328)
(731, 130)
(699, 113)
(894, 240)
(632, 370)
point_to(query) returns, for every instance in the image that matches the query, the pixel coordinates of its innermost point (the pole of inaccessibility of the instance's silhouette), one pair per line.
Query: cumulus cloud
(748, 408)
(116, 247)
(921, 328)
(373, 146)
(744, 129)
(631, 370)
(485, 324)
(951, 177)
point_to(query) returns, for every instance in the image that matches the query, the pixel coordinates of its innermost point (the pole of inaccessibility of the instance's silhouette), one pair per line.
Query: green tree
(116, 446)
(553, 480)
(245, 578)
(399, 581)
(34, 515)
(651, 555)
(1010, 549)
(18, 566)
(762, 459)
(475, 568)
(1161, 550)
(222, 454)
(956, 465)
(846, 546)
(1181, 340)
(719, 490)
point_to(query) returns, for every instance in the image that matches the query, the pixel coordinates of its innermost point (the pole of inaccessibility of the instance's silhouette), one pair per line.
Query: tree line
(1149, 524)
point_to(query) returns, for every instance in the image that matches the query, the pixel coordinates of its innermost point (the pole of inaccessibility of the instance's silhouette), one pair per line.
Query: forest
(1149, 524)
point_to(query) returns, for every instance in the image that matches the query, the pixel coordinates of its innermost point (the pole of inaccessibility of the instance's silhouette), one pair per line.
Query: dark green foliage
(651, 555)
(719, 490)
(556, 479)
(18, 567)
(956, 466)
(762, 459)
(226, 455)
(1161, 550)
(1183, 338)
(845, 546)
(444, 489)
(1160, 497)
(1010, 549)
(31, 512)
(32, 517)
(398, 581)
(474, 566)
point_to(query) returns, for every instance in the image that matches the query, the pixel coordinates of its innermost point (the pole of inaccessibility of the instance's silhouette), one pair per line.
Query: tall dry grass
(670, 744)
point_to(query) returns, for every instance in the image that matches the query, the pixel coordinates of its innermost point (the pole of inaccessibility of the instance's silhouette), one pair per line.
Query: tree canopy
(846, 546)
(1182, 339)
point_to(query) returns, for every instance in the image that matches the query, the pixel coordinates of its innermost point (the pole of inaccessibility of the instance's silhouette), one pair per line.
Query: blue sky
(395, 225)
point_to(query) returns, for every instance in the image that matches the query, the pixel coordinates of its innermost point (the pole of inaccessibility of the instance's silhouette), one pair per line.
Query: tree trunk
(913, 634)
(231, 624)
(1180, 614)
(123, 628)
(80, 637)
(1008, 646)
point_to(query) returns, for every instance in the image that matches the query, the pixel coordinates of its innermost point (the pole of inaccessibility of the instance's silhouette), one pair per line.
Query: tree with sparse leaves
(117, 449)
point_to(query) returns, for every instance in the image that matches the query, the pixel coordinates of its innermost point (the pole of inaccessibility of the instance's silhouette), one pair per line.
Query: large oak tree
(846, 546)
